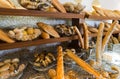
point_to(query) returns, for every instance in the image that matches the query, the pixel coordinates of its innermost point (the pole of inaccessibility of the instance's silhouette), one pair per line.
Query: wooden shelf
(4, 46)
(102, 18)
(95, 34)
(22, 12)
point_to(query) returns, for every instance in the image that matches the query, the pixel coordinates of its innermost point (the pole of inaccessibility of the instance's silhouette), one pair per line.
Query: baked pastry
(5, 37)
(45, 35)
(98, 10)
(58, 5)
(49, 29)
(93, 29)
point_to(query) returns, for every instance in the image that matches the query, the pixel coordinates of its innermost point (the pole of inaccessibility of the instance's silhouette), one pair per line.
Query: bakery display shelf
(95, 17)
(4, 46)
(22, 12)
(95, 34)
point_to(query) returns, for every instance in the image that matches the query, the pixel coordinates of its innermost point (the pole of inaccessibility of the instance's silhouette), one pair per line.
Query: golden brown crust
(58, 5)
(108, 34)
(45, 35)
(93, 29)
(4, 37)
(99, 10)
(5, 4)
(83, 64)
(86, 38)
(79, 36)
(49, 29)
(60, 65)
(4, 68)
(99, 43)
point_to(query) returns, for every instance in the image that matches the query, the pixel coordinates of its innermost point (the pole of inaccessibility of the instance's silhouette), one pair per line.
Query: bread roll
(48, 29)
(4, 68)
(108, 34)
(4, 37)
(1, 63)
(79, 37)
(60, 64)
(99, 43)
(86, 38)
(58, 5)
(83, 64)
(5, 4)
(4, 75)
(45, 35)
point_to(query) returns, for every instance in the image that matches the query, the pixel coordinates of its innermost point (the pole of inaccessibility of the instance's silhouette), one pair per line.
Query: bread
(49, 29)
(60, 64)
(52, 9)
(93, 29)
(4, 68)
(108, 34)
(79, 37)
(83, 64)
(45, 35)
(6, 4)
(86, 38)
(5, 74)
(99, 43)
(58, 5)
(98, 10)
(4, 37)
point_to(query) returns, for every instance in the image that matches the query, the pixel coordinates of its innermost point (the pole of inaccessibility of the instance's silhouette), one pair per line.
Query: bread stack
(105, 12)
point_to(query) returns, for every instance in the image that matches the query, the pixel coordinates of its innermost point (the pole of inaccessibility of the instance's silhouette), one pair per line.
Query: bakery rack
(76, 19)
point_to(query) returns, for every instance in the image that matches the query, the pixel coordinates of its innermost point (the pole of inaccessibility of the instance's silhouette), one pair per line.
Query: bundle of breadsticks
(84, 43)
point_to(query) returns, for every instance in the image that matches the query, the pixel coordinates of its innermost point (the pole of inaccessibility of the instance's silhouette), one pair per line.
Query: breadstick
(108, 34)
(86, 40)
(99, 43)
(79, 37)
(4, 37)
(60, 65)
(83, 64)
(58, 5)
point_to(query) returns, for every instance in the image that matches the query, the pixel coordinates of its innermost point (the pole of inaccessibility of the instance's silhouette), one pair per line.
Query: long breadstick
(108, 34)
(60, 65)
(86, 40)
(99, 43)
(79, 37)
(83, 64)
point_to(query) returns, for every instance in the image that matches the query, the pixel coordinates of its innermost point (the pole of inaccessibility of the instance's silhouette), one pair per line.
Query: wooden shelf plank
(4, 46)
(22, 12)
(102, 18)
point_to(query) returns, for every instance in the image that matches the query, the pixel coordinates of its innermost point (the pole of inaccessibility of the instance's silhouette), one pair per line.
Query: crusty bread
(83, 64)
(99, 43)
(45, 35)
(58, 5)
(98, 10)
(108, 34)
(49, 29)
(79, 37)
(4, 68)
(60, 64)
(86, 38)
(4, 37)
